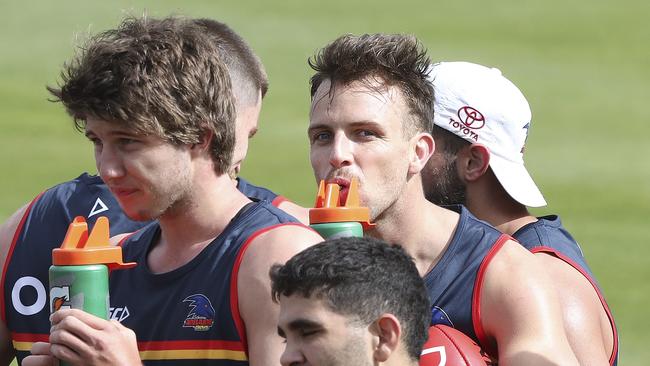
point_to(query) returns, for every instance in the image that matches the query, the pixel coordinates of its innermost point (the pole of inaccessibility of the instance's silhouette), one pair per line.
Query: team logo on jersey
(439, 316)
(59, 298)
(201, 315)
(98, 207)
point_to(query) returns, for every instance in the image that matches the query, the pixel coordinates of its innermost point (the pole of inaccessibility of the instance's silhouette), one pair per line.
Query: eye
(127, 141)
(366, 133)
(308, 332)
(321, 136)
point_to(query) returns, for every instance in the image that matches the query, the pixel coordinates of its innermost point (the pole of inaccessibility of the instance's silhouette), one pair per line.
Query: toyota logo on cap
(471, 117)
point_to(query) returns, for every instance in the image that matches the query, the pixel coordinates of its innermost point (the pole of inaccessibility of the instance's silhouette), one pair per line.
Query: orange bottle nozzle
(328, 208)
(81, 248)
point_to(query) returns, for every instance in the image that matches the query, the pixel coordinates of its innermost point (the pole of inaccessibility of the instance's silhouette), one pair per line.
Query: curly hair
(384, 59)
(361, 278)
(161, 77)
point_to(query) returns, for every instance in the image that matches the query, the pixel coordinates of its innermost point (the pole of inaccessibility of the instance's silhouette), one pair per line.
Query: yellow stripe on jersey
(189, 354)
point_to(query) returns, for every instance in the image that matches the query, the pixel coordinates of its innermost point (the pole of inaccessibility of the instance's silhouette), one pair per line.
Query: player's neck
(492, 203)
(422, 228)
(187, 229)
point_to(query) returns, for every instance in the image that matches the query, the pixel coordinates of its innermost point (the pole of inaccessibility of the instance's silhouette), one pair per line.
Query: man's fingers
(41, 349)
(88, 319)
(40, 361)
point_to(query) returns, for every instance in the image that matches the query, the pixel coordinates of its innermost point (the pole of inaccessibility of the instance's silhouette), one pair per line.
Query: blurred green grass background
(584, 66)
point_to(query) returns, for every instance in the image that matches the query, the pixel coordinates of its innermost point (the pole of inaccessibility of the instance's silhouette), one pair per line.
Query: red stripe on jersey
(483, 340)
(278, 200)
(19, 229)
(189, 345)
(30, 337)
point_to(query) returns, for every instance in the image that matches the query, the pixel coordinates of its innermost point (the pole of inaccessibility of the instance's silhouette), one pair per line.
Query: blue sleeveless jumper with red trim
(259, 193)
(190, 316)
(547, 235)
(43, 226)
(454, 284)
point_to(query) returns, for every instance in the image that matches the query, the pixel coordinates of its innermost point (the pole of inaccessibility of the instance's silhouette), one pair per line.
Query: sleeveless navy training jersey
(259, 193)
(190, 316)
(547, 235)
(25, 284)
(454, 283)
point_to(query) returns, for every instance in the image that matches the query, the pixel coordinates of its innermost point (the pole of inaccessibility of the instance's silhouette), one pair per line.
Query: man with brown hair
(370, 119)
(155, 99)
(481, 123)
(28, 237)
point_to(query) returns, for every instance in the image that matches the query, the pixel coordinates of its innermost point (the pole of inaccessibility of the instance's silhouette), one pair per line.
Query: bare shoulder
(582, 311)
(511, 274)
(259, 313)
(7, 232)
(299, 212)
(279, 244)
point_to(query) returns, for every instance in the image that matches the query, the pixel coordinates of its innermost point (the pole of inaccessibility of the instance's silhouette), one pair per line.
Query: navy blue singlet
(42, 228)
(547, 235)
(190, 316)
(258, 193)
(454, 284)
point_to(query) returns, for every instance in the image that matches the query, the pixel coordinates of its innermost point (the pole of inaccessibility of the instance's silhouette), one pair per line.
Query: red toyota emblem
(471, 117)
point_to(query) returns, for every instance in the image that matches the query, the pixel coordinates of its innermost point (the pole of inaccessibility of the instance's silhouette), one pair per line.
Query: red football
(448, 346)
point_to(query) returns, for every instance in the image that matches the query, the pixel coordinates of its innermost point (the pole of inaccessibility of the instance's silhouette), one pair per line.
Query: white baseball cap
(481, 106)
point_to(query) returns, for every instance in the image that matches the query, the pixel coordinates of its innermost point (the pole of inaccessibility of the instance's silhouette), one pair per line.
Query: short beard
(445, 186)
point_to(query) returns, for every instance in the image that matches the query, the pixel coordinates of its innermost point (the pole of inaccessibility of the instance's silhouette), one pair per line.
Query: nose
(341, 151)
(291, 356)
(109, 163)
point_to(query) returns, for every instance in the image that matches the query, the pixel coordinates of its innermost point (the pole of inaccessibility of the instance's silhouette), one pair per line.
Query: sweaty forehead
(354, 102)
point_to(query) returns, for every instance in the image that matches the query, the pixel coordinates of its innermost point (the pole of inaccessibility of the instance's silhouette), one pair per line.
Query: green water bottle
(332, 218)
(80, 267)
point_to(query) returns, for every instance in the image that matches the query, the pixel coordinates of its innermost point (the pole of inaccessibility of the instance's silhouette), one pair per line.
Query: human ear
(423, 147)
(205, 139)
(388, 332)
(473, 161)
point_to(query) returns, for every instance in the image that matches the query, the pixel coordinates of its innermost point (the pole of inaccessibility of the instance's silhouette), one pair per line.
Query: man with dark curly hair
(351, 301)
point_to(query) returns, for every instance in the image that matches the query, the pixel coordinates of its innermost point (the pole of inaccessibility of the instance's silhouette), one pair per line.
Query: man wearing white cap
(481, 122)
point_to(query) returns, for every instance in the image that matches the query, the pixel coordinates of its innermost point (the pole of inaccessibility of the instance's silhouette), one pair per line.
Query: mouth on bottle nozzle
(337, 204)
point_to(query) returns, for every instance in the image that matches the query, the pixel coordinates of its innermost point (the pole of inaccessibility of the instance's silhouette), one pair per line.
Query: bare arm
(299, 212)
(259, 312)
(585, 321)
(521, 312)
(7, 231)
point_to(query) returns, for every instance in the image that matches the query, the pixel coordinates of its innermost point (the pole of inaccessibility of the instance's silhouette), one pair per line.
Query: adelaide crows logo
(201, 315)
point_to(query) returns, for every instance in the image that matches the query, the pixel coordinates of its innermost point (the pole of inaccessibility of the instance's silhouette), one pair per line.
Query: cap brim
(514, 178)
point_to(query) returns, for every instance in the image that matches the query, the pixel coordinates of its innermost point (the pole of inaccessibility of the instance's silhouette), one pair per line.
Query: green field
(584, 66)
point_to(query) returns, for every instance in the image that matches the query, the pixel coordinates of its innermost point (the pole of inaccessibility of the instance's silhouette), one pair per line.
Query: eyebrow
(322, 126)
(299, 324)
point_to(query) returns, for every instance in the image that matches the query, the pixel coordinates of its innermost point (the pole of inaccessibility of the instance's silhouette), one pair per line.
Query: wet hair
(360, 278)
(246, 70)
(161, 77)
(380, 61)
